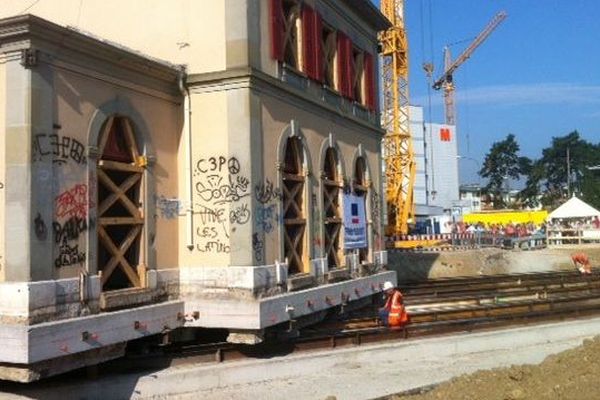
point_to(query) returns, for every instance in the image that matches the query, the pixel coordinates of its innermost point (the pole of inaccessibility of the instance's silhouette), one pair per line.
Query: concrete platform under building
(37, 349)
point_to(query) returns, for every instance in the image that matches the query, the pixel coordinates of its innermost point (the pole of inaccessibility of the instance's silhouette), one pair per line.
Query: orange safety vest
(582, 258)
(397, 313)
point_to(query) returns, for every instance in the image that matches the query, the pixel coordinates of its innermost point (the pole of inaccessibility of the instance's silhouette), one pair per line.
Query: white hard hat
(388, 285)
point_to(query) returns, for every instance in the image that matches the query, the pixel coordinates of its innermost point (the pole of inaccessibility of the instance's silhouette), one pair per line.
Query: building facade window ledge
(294, 77)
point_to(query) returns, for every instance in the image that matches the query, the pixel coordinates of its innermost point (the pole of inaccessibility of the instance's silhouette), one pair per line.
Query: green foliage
(501, 163)
(582, 154)
(547, 176)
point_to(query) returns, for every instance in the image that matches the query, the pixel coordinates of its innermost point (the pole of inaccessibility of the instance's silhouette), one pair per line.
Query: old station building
(235, 185)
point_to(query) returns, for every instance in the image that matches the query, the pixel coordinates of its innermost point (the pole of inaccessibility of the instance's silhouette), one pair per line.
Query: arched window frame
(293, 131)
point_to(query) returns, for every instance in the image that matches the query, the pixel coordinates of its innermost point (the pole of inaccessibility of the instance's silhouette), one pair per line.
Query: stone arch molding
(331, 141)
(121, 107)
(290, 131)
(359, 152)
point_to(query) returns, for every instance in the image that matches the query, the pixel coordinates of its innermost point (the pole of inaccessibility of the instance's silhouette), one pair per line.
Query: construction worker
(393, 313)
(582, 262)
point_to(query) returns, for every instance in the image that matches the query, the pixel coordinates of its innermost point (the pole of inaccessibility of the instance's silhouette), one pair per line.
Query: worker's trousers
(383, 316)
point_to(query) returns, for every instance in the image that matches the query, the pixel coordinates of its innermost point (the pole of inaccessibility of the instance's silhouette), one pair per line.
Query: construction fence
(464, 241)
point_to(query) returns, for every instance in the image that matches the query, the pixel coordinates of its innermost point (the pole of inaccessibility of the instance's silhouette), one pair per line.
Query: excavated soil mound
(572, 374)
(421, 266)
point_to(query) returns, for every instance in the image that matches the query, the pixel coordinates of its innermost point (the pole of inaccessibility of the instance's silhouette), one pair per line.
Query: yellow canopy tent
(506, 216)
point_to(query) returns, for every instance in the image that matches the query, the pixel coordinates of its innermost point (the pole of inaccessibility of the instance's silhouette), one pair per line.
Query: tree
(548, 176)
(530, 195)
(554, 160)
(501, 163)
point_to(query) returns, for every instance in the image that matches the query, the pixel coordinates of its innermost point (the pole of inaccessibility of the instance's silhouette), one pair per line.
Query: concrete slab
(355, 373)
(33, 343)
(226, 312)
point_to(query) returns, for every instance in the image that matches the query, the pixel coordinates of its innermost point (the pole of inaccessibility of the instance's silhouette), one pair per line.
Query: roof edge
(367, 10)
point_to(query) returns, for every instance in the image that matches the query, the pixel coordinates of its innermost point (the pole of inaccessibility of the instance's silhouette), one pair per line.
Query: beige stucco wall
(219, 233)
(76, 100)
(180, 31)
(2, 166)
(47, 165)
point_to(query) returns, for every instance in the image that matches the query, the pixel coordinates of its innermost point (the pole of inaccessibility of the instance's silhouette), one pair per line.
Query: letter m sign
(445, 135)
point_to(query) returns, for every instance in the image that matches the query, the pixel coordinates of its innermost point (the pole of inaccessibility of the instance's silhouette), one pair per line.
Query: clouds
(524, 94)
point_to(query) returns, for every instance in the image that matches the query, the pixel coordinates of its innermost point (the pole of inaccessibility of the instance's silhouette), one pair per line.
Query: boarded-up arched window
(120, 212)
(294, 213)
(332, 219)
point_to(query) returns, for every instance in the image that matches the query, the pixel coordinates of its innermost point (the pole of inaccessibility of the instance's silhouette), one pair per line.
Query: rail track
(436, 307)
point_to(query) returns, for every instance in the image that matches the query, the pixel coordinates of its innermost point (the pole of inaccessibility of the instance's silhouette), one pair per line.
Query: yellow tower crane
(400, 168)
(446, 81)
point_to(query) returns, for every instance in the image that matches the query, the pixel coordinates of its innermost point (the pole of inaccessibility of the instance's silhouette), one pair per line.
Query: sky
(536, 76)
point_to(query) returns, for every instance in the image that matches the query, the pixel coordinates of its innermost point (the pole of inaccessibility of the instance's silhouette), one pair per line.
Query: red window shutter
(277, 29)
(371, 102)
(308, 39)
(319, 69)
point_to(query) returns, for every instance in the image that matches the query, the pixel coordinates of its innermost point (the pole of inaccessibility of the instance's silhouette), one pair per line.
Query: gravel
(572, 374)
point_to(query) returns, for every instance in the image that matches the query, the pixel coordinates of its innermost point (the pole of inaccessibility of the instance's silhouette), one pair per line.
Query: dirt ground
(419, 266)
(572, 374)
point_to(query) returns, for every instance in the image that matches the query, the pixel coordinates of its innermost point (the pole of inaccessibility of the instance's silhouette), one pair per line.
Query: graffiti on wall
(169, 208)
(221, 202)
(73, 202)
(69, 220)
(60, 149)
(39, 227)
(266, 218)
(266, 215)
(239, 215)
(68, 255)
(258, 247)
(71, 209)
(267, 192)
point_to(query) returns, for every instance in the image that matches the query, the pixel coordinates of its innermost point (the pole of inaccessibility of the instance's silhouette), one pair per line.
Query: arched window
(120, 213)
(294, 214)
(360, 188)
(332, 219)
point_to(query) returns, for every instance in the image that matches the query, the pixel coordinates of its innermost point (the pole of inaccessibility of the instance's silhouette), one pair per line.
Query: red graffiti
(73, 202)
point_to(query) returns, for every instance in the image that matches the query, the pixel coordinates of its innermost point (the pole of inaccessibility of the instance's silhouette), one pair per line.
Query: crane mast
(400, 168)
(446, 81)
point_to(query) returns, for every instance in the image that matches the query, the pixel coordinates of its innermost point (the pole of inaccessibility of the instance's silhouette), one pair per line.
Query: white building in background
(436, 184)
(471, 198)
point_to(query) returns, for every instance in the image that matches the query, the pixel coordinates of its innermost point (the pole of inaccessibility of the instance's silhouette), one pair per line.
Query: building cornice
(369, 13)
(26, 31)
(254, 79)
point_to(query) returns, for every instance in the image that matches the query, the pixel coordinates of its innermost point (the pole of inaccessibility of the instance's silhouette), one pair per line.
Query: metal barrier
(474, 240)
(578, 236)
